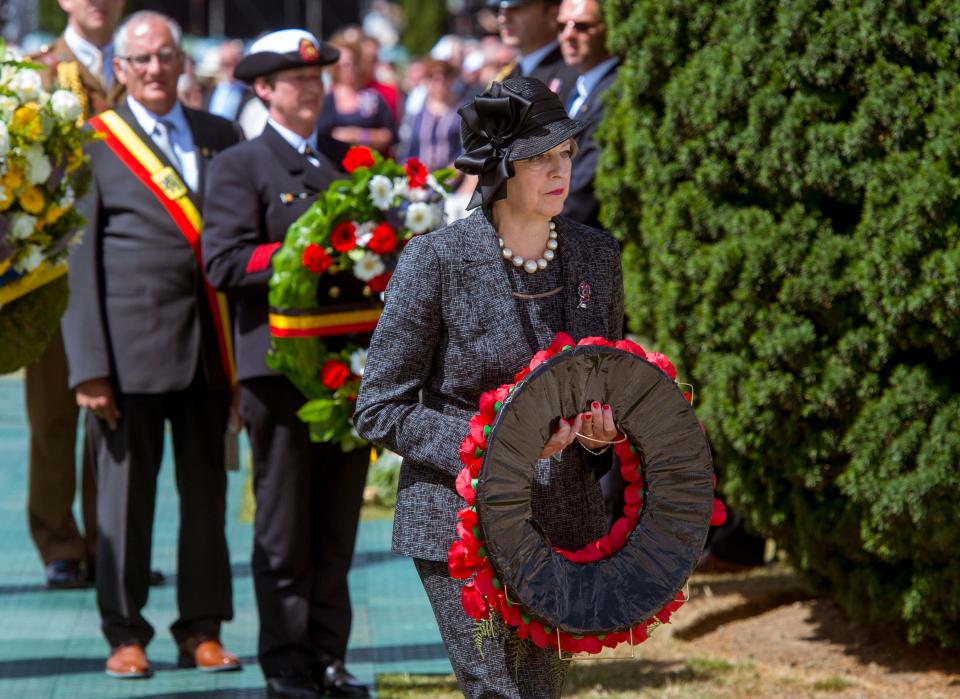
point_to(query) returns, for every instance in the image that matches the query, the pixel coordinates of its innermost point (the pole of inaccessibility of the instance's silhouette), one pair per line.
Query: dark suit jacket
(138, 311)
(552, 72)
(581, 204)
(246, 220)
(450, 331)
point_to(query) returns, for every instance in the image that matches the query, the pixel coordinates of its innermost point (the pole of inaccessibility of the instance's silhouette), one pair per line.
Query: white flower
(368, 267)
(38, 164)
(65, 105)
(358, 361)
(26, 85)
(401, 188)
(67, 199)
(4, 140)
(364, 233)
(22, 227)
(419, 217)
(29, 259)
(381, 192)
(8, 105)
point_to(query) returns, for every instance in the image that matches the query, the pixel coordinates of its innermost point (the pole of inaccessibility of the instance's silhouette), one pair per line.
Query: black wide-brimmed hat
(283, 50)
(513, 120)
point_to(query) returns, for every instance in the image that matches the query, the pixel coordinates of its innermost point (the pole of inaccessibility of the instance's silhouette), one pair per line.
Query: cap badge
(308, 50)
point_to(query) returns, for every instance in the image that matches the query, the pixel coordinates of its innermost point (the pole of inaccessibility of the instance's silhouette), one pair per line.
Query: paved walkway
(50, 643)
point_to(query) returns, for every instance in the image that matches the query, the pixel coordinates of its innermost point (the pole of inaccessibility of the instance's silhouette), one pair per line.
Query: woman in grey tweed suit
(461, 319)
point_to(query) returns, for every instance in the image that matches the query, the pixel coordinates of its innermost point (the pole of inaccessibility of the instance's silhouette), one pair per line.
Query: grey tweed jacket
(451, 330)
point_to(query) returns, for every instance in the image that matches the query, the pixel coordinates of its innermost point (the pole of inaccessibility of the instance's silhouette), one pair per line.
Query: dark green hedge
(786, 179)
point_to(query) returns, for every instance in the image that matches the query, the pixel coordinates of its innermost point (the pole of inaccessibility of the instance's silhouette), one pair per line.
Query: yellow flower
(53, 213)
(74, 159)
(13, 178)
(26, 121)
(32, 200)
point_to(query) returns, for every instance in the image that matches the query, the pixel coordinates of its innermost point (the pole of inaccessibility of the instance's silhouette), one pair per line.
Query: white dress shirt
(587, 82)
(298, 142)
(184, 155)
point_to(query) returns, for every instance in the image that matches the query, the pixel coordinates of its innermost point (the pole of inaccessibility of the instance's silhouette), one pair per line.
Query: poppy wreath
(350, 238)
(469, 557)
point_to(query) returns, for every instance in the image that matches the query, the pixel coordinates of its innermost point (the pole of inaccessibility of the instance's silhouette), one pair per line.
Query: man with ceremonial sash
(308, 494)
(147, 342)
(79, 60)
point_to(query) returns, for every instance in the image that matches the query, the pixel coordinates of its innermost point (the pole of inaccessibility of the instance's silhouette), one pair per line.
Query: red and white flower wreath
(468, 557)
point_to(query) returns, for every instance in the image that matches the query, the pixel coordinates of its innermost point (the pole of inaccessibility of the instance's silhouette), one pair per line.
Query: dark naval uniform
(308, 495)
(138, 314)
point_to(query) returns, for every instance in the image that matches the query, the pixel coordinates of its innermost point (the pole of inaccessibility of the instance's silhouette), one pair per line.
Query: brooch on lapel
(290, 197)
(583, 291)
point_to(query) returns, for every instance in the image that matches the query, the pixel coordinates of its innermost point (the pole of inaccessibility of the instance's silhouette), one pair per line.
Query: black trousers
(127, 462)
(308, 504)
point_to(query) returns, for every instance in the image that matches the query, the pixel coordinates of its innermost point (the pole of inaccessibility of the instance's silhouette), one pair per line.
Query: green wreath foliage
(786, 180)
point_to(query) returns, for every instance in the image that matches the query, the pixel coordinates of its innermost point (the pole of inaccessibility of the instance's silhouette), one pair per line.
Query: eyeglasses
(577, 27)
(165, 57)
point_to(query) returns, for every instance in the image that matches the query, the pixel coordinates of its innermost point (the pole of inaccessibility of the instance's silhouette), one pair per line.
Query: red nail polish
(587, 416)
(596, 405)
(606, 406)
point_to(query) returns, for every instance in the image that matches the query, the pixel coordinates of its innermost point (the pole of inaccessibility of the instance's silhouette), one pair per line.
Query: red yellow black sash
(165, 184)
(313, 323)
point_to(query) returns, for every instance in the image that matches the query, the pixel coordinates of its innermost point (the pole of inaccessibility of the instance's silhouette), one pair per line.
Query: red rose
(379, 282)
(334, 373)
(357, 157)
(383, 239)
(416, 173)
(343, 237)
(473, 602)
(316, 259)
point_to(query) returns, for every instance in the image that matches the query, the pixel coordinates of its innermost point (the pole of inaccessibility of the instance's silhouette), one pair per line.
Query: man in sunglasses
(529, 27)
(147, 344)
(583, 42)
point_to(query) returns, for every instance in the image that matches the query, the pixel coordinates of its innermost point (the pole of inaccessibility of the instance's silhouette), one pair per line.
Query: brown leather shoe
(128, 662)
(207, 655)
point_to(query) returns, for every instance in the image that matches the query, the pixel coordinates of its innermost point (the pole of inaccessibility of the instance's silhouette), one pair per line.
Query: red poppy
(456, 563)
(630, 346)
(416, 173)
(478, 430)
(357, 157)
(379, 282)
(665, 364)
(484, 581)
(719, 515)
(473, 602)
(599, 341)
(383, 239)
(468, 517)
(539, 358)
(334, 373)
(468, 454)
(316, 259)
(343, 237)
(464, 487)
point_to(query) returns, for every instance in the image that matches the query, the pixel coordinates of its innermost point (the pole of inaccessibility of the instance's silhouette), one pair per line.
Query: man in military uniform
(308, 495)
(148, 344)
(79, 60)
(530, 27)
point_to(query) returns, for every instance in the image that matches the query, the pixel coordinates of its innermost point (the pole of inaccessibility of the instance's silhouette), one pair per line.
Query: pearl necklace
(532, 266)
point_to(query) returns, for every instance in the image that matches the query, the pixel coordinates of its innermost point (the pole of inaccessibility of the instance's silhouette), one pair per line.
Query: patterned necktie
(162, 137)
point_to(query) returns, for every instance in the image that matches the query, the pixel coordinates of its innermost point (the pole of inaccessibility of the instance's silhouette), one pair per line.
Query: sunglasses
(577, 27)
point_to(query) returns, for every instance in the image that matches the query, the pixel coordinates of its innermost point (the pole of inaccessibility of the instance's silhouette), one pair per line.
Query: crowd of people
(237, 143)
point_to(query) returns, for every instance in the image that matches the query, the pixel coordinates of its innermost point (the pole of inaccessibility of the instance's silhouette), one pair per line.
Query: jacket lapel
(295, 163)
